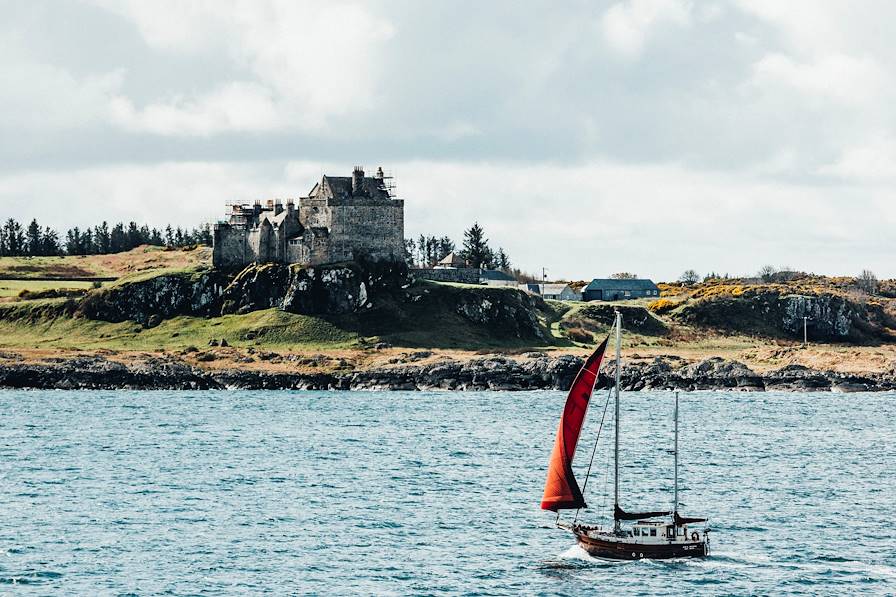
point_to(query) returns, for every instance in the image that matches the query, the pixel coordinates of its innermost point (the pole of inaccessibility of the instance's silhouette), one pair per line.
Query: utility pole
(805, 335)
(544, 278)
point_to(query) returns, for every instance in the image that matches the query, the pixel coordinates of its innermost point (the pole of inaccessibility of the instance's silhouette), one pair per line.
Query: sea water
(239, 493)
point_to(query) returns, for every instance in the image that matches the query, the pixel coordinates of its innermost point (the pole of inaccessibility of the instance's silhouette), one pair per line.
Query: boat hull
(619, 549)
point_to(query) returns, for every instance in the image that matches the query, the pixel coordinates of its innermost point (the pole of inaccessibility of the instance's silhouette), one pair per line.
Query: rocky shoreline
(535, 371)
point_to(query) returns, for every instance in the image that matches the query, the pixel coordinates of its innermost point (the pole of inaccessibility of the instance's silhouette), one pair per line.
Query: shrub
(580, 335)
(662, 305)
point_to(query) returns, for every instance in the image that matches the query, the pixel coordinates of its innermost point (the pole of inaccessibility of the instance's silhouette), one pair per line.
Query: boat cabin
(649, 531)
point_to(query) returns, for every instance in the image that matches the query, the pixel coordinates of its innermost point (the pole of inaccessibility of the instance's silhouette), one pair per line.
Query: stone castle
(343, 218)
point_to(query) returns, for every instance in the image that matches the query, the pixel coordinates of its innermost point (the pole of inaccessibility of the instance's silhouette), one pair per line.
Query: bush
(580, 335)
(662, 305)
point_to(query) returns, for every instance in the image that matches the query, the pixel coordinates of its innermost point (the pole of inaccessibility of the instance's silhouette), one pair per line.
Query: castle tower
(357, 181)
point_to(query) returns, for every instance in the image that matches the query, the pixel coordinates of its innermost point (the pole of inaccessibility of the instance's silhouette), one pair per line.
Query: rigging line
(594, 449)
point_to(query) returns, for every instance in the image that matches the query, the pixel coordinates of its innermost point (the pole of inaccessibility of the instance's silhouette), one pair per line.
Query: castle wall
(375, 231)
(230, 246)
(467, 275)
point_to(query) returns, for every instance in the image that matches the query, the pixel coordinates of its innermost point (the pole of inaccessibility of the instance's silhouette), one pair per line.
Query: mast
(675, 505)
(616, 445)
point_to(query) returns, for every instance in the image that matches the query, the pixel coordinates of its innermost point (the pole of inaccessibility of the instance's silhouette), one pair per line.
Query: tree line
(427, 251)
(35, 240)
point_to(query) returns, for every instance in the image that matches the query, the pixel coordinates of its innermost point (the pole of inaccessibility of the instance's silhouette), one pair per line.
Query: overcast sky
(645, 135)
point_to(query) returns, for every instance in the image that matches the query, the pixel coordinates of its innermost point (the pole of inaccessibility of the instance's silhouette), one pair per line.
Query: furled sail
(680, 520)
(561, 491)
(620, 514)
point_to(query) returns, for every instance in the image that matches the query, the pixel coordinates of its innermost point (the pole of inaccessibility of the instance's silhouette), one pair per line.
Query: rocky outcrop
(100, 373)
(495, 373)
(160, 297)
(768, 312)
(597, 317)
(323, 290)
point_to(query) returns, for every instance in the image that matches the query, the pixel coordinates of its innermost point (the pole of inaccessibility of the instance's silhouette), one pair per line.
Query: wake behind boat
(647, 537)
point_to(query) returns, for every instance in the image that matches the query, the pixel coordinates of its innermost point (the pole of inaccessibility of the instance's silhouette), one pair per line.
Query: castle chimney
(278, 207)
(290, 206)
(357, 180)
(379, 173)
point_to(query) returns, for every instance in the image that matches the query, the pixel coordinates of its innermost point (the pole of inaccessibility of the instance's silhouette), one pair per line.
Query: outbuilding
(611, 289)
(494, 277)
(557, 292)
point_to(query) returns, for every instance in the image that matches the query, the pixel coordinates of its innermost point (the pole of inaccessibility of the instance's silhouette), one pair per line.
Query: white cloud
(873, 161)
(44, 97)
(837, 76)
(237, 106)
(309, 61)
(627, 25)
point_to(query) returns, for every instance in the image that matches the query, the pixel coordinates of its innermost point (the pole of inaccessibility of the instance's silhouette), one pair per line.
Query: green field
(12, 288)
(271, 328)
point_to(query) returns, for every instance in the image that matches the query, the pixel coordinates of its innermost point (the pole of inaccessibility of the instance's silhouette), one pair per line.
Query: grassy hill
(754, 322)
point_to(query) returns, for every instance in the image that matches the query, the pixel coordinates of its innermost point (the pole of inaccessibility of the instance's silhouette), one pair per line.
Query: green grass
(10, 288)
(271, 327)
(36, 267)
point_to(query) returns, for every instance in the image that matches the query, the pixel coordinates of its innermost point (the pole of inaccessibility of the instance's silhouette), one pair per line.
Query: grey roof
(535, 288)
(341, 186)
(494, 274)
(614, 284)
(454, 259)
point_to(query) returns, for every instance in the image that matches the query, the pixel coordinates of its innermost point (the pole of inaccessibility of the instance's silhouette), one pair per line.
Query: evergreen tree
(410, 246)
(155, 238)
(73, 242)
(476, 251)
(178, 237)
(15, 238)
(169, 236)
(446, 245)
(32, 239)
(133, 236)
(502, 261)
(88, 243)
(50, 242)
(102, 238)
(118, 239)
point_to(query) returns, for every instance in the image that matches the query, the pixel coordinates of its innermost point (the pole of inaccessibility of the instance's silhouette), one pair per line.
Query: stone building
(343, 218)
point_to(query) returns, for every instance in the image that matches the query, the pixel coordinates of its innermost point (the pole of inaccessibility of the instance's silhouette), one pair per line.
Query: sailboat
(648, 536)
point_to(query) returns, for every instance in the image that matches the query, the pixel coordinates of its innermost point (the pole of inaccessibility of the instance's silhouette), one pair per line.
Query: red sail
(560, 489)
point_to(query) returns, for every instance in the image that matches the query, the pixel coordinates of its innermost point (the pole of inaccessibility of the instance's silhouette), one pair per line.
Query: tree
(867, 282)
(102, 238)
(410, 247)
(502, 261)
(32, 239)
(73, 244)
(50, 242)
(767, 273)
(624, 276)
(132, 236)
(689, 277)
(476, 251)
(15, 238)
(169, 236)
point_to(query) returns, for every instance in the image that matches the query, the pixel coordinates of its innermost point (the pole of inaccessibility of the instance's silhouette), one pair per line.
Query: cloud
(627, 25)
(43, 97)
(873, 161)
(309, 61)
(838, 76)
(237, 106)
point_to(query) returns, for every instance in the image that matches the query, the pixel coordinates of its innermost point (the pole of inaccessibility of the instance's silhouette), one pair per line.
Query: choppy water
(421, 493)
